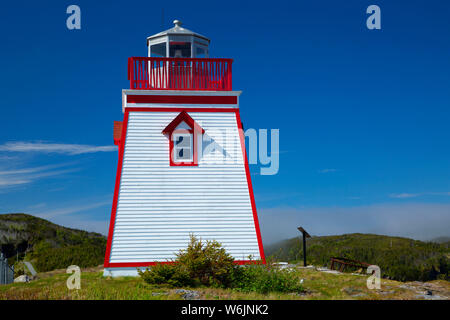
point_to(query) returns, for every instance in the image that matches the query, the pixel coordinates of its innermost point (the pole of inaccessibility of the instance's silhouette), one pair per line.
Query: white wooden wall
(159, 205)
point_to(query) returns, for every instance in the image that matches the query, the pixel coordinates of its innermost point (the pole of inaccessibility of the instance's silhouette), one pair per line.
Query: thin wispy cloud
(69, 209)
(33, 169)
(277, 197)
(415, 195)
(328, 170)
(12, 182)
(403, 195)
(7, 158)
(76, 214)
(16, 177)
(60, 148)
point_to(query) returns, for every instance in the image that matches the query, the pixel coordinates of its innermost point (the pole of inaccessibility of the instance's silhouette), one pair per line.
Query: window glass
(158, 50)
(201, 52)
(180, 49)
(182, 147)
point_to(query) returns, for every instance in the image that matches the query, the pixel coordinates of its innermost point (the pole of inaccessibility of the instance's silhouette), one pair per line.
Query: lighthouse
(182, 167)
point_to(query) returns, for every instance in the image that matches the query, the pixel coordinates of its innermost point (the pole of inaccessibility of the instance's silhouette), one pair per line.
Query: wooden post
(305, 235)
(304, 250)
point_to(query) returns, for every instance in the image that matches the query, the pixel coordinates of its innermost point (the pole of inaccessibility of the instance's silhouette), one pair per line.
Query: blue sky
(363, 114)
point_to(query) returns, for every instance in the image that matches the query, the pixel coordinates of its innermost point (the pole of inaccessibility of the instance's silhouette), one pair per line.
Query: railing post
(130, 76)
(230, 85)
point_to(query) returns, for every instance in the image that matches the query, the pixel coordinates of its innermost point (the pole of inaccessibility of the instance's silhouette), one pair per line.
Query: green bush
(208, 264)
(264, 279)
(86, 255)
(202, 263)
(172, 274)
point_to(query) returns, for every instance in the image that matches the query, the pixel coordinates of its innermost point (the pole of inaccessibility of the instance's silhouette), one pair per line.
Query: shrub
(208, 263)
(264, 279)
(172, 274)
(202, 263)
(86, 255)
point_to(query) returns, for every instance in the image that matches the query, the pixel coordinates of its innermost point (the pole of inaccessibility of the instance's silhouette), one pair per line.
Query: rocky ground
(318, 284)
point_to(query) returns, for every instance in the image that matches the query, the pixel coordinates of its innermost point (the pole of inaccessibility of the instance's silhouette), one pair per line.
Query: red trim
(152, 263)
(116, 189)
(119, 170)
(201, 43)
(181, 99)
(195, 130)
(183, 116)
(179, 42)
(250, 188)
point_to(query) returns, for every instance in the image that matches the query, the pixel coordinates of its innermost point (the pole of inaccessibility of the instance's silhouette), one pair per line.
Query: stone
(22, 279)
(352, 291)
(188, 294)
(428, 297)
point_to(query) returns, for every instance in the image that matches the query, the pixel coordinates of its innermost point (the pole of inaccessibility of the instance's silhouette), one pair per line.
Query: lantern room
(178, 59)
(178, 42)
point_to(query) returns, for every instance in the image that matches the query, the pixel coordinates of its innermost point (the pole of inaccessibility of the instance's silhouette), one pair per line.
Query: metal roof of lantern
(177, 30)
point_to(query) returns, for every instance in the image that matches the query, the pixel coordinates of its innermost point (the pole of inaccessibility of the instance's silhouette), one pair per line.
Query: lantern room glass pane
(180, 49)
(158, 50)
(201, 52)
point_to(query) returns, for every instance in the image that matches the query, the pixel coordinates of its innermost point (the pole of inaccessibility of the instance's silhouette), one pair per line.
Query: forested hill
(399, 258)
(444, 240)
(49, 246)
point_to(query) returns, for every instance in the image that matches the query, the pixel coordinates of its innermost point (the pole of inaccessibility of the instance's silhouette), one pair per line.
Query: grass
(317, 285)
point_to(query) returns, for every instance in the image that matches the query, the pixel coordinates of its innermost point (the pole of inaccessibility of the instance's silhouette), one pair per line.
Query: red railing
(179, 73)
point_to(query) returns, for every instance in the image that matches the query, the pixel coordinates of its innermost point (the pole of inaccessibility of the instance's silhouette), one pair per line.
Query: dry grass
(317, 285)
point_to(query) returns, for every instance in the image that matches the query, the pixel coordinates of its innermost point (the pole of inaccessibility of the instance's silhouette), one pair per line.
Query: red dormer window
(183, 133)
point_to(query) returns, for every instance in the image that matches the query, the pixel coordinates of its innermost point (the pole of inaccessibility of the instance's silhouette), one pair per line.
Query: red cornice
(182, 99)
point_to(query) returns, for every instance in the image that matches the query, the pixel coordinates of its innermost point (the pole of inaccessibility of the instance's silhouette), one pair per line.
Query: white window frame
(175, 136)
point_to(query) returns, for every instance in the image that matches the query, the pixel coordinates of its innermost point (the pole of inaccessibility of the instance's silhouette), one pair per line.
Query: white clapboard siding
(159, 205)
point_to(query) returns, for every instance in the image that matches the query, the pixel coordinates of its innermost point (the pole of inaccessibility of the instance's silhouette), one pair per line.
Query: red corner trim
(181, 99)
(116, 189)
(250, 188)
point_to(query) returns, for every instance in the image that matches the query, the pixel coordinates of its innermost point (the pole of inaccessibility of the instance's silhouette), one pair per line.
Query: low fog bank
(421, 221)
